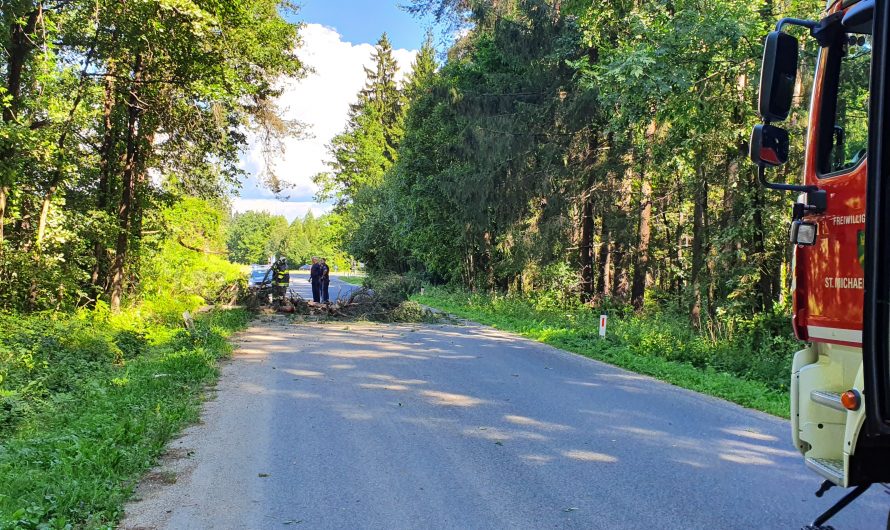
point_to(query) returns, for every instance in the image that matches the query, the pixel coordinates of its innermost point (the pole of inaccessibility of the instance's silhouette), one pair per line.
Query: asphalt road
(376, 426)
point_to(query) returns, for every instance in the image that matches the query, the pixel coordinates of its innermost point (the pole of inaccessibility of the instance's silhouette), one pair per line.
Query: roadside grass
(88, 402)
(354, 280)
(752, 370)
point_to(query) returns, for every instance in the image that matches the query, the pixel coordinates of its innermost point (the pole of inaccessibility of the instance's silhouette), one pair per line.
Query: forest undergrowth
(88, 401)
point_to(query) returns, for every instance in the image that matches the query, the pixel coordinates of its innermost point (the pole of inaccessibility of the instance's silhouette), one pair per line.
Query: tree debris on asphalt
(383, 299)
(361, 304)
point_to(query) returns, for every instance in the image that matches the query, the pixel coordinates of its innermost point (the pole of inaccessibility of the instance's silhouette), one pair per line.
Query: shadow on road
(399, 426)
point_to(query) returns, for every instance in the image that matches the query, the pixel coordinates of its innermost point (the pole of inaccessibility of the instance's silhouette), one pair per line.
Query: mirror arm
(824, 31)
(828, 29)
(809, 24)
(761, 175)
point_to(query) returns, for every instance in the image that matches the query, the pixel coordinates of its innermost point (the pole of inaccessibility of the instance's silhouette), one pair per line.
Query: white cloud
(289, 209)
(320, 100)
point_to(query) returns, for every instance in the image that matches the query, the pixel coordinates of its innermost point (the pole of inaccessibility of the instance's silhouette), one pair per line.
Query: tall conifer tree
(423, 70)
(367, 148)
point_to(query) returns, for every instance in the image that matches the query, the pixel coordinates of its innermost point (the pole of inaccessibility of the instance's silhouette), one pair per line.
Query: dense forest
(596, 150)
(122, 126)
(254, 236)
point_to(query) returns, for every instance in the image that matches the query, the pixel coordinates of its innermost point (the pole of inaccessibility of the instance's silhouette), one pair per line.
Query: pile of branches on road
(362, 304)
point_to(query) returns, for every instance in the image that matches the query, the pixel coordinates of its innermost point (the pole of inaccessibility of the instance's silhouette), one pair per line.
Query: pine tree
(367, 148)
(381, 95)
(423, 70)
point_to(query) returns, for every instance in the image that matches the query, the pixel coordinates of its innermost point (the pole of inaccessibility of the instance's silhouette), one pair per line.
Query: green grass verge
(649, 347)
(354, 280)
(100, 403)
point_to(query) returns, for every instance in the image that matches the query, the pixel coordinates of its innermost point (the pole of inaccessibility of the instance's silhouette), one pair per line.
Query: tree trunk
(671, 265)
(764, 282)
(619, 255)
(585, 248)
(44, 214)
(4, 193)
(699, 234)
(128, 193)
(487, 259)
(147, 139)
(641, 264)
(21, 45)
(602, 258)
(620, 282)
(107, 155)
(727, 215)
(585, 243)
(679, 238)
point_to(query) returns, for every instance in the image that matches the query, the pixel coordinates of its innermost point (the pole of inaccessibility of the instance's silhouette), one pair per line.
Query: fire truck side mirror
(769, 145)
(778, 75)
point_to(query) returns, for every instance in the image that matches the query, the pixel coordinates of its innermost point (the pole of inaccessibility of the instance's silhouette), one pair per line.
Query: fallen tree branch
(186, 245)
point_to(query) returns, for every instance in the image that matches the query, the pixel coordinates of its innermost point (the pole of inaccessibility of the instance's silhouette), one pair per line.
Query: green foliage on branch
(111, 113)
(187, 264)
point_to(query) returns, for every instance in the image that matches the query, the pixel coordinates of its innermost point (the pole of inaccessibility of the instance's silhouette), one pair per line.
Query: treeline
(255, 236)
(596, 150)
(113, 114)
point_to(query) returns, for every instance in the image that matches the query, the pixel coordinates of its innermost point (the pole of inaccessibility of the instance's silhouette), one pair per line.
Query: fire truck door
(829, 272)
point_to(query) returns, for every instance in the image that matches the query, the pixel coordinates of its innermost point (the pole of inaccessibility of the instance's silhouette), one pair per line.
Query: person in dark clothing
(325, 281)
(315, 280)
(281, 280)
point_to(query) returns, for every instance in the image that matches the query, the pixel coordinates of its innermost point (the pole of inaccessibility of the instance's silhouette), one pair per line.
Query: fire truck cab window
(844, 128)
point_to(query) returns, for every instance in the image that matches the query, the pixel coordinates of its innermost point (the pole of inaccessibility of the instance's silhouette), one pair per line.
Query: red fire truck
(840, 382)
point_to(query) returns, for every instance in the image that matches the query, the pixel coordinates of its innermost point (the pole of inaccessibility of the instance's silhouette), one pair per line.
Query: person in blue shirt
(315, 280)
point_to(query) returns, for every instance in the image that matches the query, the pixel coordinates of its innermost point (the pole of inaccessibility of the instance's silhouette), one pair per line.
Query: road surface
(396, 426)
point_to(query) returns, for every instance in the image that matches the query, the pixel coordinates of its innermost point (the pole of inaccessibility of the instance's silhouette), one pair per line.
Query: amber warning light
(851, 400)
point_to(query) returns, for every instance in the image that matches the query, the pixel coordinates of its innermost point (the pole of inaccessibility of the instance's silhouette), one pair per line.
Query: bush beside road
(89, 400)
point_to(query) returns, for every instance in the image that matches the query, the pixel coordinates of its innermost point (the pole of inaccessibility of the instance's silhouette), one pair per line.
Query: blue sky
(365, 20)
(337, 43)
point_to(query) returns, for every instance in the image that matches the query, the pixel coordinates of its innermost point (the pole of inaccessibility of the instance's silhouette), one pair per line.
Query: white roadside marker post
(603, 319)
